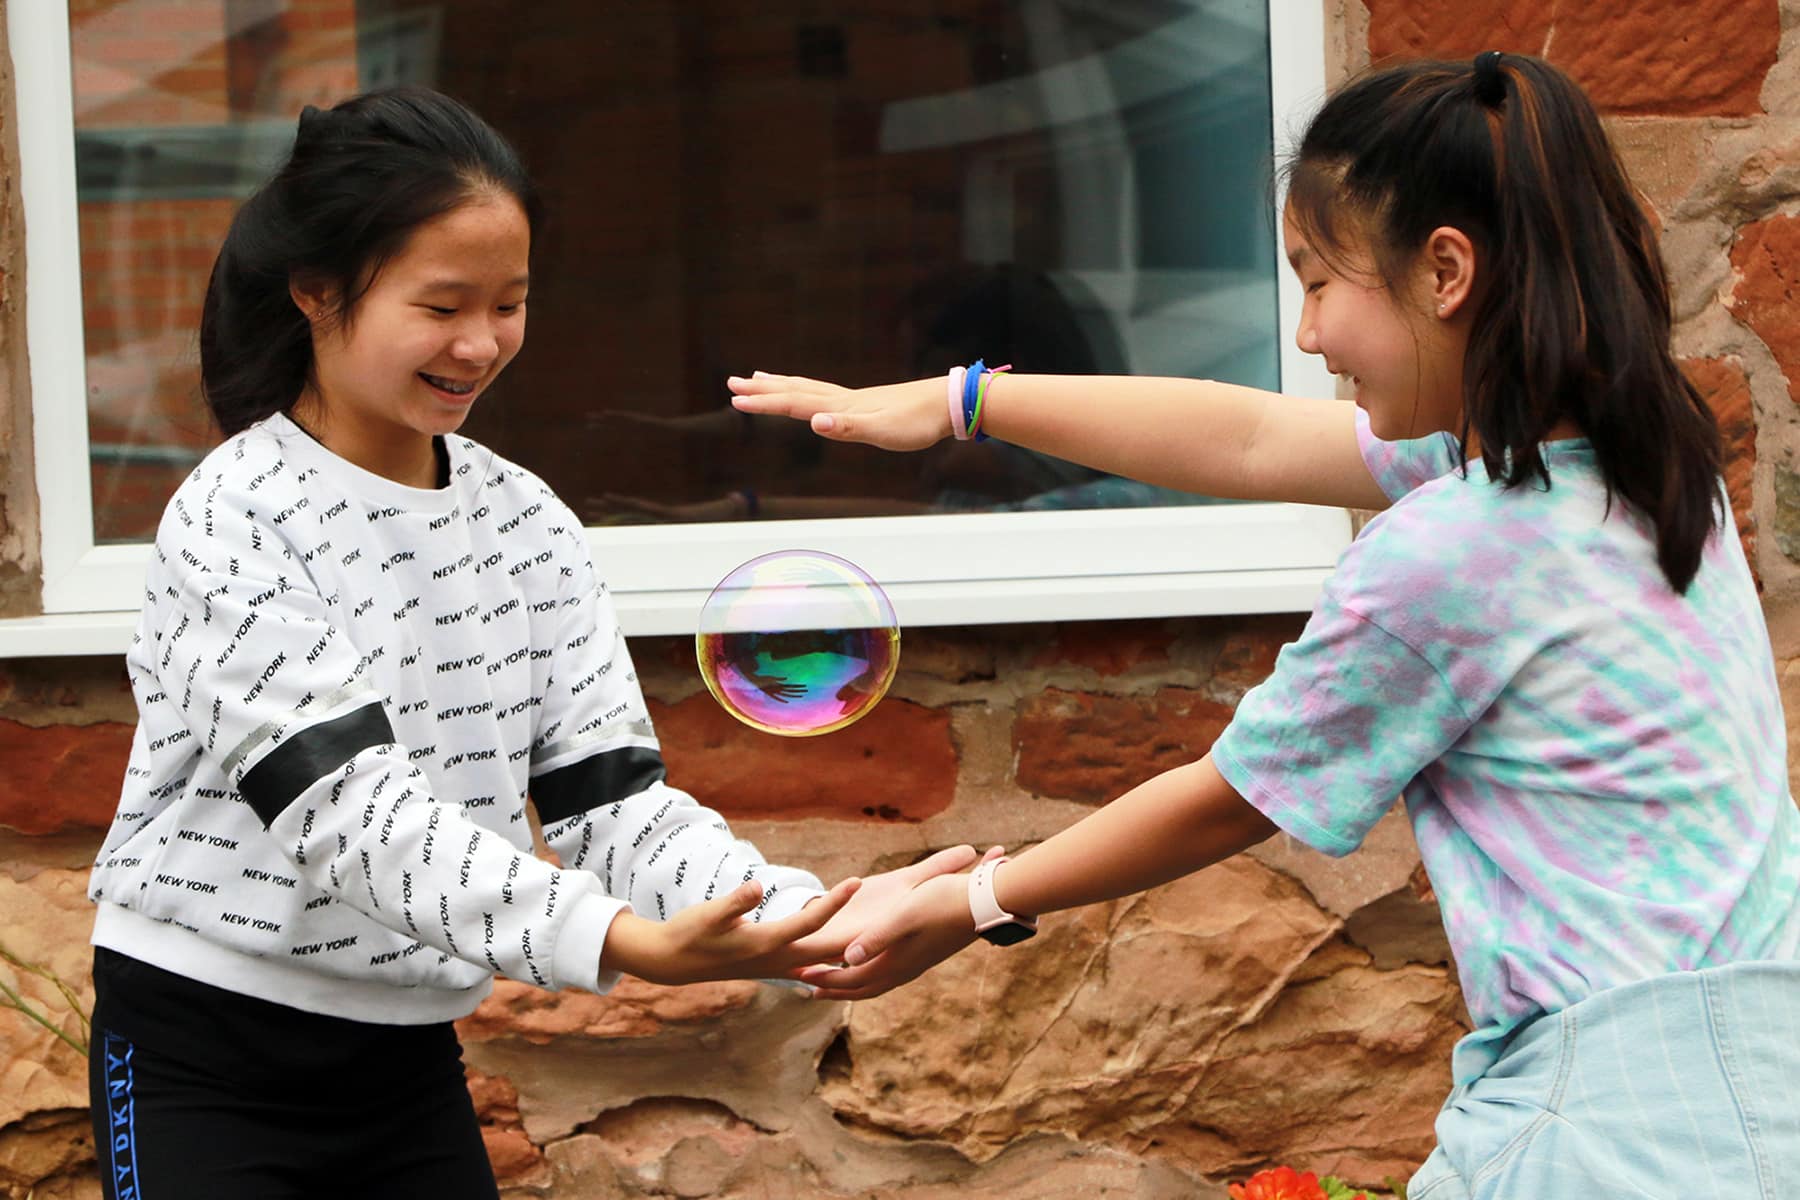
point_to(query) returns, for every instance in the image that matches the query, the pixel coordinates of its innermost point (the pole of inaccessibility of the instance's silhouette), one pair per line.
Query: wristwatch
(991, 921)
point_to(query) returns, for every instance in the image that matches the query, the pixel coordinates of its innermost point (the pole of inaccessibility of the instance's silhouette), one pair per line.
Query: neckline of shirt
(300, 446)
(1568, 452)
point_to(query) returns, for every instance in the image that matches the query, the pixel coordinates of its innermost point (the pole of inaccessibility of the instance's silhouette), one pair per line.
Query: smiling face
(1402, 353)
(438, 323)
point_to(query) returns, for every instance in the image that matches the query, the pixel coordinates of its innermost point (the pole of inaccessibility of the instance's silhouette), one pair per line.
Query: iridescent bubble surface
(798, 642)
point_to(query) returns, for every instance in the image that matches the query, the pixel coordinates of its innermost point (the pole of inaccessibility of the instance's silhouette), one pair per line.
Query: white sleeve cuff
(576, 961)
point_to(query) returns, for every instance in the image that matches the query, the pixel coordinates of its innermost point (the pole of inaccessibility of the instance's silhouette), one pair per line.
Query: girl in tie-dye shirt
(1549, 643)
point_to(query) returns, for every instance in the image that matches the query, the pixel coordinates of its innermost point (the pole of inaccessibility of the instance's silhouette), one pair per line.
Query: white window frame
(939, 569)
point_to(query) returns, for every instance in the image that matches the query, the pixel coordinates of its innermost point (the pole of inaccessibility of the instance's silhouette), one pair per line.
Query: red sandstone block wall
(1278, 1008)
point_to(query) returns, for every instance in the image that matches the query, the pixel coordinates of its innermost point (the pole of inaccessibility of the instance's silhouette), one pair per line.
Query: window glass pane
(181, 106)
(858, 191)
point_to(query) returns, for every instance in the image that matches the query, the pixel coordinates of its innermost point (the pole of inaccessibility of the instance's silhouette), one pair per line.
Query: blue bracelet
(972, 393)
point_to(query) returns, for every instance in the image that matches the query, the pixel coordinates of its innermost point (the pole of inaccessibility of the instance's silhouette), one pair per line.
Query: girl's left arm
(599, 784)
(1166, 827)
(1169, 826)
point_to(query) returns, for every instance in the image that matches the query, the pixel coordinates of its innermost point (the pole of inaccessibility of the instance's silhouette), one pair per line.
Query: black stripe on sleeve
(599, 779)
(310, 755)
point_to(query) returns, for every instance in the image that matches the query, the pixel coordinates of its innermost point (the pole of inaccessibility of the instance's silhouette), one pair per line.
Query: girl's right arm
(715, 941)
(1213, 439)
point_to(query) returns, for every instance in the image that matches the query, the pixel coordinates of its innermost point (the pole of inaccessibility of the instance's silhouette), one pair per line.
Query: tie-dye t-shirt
(1595, 767)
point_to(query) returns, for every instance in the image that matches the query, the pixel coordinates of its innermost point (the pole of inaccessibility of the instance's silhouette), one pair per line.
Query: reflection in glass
(181, 108)
(852, 191)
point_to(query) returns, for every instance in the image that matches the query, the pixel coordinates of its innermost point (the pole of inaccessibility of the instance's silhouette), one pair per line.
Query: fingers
(836, 975)
(732, 907)
(875, 938)
(817, 948)
(762, 391)
(944, 862)
(893, 417)
(815, 915)
(797, 940)
(993, 853)
(857, 983)
(939, 905)
(765, 381)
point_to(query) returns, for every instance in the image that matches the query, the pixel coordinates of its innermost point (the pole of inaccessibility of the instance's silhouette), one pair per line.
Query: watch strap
(983, 906)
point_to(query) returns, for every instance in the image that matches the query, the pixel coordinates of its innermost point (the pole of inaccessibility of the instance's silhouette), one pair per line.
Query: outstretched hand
(920, 927)
(898, 416)
(715, 941)
(880, 894)
(930, 923)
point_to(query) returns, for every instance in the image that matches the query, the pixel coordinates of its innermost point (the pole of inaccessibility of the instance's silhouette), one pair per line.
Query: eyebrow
(1298, 256)
(459, 285)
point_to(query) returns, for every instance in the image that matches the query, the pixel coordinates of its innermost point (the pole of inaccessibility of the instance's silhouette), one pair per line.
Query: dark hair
(362, 176)
(1573, 316)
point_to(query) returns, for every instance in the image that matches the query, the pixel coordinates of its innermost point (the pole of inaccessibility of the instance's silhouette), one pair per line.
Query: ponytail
(361, 178)
(1573, 318)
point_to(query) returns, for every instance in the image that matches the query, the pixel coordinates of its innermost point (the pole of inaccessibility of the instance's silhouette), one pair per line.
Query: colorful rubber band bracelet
(954, 386)
(971, 396)
(987, 380)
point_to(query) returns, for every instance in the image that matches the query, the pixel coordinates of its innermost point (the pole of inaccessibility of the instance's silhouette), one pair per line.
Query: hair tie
(1490, 82)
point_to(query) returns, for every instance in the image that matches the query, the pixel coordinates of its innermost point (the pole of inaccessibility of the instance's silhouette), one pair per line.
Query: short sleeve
(1399, 467)
(1349, 717)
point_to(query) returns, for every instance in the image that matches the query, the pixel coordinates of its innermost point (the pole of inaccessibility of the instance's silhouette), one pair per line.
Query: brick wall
(1280, 1007)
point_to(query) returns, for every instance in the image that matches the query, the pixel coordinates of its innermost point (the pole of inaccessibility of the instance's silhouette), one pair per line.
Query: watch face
(1009, 934)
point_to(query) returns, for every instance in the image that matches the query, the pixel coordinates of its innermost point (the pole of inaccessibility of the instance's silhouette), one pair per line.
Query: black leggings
(204, 1094)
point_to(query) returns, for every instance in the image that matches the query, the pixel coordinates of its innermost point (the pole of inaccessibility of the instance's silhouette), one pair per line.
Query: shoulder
(1466, 562)
(246, 481)
(512, 498)
(1420, 555)
(248, 461)
(482, 473)
(1400, 467)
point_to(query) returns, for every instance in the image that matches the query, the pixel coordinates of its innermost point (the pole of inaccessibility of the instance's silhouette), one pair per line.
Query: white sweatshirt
(346, 688)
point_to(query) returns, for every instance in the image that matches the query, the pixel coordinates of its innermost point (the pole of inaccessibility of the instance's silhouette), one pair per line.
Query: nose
(1306, 334)
(476, 342)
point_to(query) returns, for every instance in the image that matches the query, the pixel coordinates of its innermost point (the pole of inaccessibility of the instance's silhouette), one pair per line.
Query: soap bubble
(797, 643)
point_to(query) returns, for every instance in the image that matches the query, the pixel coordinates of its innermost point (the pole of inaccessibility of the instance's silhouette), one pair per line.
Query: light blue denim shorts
(1683, 1086)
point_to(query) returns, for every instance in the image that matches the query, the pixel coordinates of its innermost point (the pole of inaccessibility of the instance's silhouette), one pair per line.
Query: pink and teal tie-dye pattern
(1595, 767)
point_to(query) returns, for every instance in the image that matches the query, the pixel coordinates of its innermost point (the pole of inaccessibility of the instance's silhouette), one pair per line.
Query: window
(857, 192)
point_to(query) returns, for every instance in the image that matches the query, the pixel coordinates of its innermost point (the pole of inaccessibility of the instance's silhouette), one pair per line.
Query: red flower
(1278, 1183)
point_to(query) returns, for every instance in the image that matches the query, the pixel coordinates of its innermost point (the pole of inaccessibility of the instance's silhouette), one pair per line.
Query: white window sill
(1278, 555)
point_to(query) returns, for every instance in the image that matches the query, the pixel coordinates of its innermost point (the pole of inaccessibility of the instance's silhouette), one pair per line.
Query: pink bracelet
(954, 382)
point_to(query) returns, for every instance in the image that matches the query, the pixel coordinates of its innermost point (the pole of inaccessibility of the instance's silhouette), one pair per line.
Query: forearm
(630, 947)
(714, 941)
(662, 851)
(1180, 821)
(1214, 439)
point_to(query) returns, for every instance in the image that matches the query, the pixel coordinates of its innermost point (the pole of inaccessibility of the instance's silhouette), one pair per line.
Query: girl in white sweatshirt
(365, 642)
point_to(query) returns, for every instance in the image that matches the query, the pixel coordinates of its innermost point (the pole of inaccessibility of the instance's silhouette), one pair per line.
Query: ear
(311, 295)
(1447, 265)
